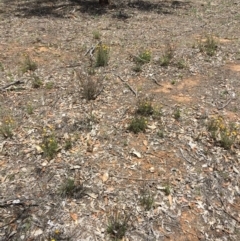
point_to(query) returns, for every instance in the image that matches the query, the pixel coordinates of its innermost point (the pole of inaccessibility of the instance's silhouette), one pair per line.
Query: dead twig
(156, 82)
(135, 179)
(225, 210)
(225, 105)
(17, 82)
(129, 86)
(184, 156)
(92, 49)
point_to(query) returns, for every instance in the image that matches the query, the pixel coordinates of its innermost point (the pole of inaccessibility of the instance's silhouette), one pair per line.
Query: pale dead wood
(129, 86)
(17, 82)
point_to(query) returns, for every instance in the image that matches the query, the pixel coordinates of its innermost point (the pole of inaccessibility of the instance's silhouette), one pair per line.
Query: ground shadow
(64, 8)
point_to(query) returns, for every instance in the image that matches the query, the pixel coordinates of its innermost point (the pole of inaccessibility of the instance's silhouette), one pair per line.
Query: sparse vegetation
(49, 144)
(29, 108)
(49, 85)
(36, 82)
(221, 132)
(127, 121)
(208, 45)
(177, 113)
(117, 225)
(6, 126)
(144, 107)
(138, 124)
(96, 35)
(28, 64)
(146, 199)
(167, 56)
(102, 56)
(143, 58)
(71, 190)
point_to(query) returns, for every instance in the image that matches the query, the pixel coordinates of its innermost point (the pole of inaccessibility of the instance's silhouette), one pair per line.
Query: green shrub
(102, 55)
(137, 125)
(117, 225)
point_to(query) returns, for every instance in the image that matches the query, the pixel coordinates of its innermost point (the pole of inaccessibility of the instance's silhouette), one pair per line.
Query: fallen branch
(92, 49)
(184, 156)
(135, 179)
(226, 104)
(17, 82)
(156, 82)
(225, 210)
(129, 86)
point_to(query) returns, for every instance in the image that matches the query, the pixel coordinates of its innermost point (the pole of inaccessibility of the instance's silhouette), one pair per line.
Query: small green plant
(221, 132)
(70, 189)
(167, 56)
(146, 199)
(160, 133)
(29, 109)
(102, 56)
(49, 85)
(36, 82)
(208, 45)
(117, 225)
(138, 124)
(157, 113)
(173, 82)
(167, 190)
(181, 64)
(96, 35)
(6, 127)
(49, 144)
(28, 64)
(67, 188)
(177, 113)
(144, 107)
(58, 235)
(68, 144)
(143, 58)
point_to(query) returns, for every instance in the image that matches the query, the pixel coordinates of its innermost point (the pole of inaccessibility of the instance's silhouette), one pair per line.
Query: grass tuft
(138, 124)
(28, 65)
(102, 57)
(117, 225)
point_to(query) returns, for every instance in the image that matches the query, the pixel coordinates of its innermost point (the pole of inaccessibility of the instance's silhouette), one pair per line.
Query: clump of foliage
(96, 35)
(70, 189)
(102, 57)
(146, 199)
(143, 57)
(138, 124)
(6, 126)
(223, 133)
(49, 144)
(29, 108)
(145, 107)
(167, 190)
(49, 85)
(36, 82)
(28, 64)
(117, 225)
(167, 56)
(208, 45)
(177, 114)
